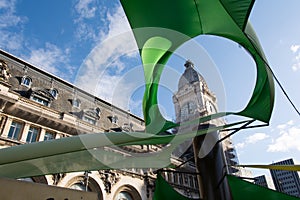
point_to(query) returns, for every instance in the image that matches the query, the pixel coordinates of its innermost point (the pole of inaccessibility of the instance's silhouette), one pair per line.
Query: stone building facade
(37, 106)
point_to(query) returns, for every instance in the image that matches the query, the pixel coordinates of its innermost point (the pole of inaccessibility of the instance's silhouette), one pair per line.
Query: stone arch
(79, 183)
(129, 190)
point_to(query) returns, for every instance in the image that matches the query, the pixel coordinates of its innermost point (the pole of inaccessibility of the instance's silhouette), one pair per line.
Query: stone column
(25, 132)
(42, 135)
(6, 127)
(58, 135)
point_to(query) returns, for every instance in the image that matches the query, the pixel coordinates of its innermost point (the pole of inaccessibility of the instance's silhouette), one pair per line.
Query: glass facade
(286, 181)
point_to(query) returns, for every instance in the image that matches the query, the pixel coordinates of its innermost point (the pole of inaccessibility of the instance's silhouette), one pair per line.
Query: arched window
(76, 103)
(127, 192)
(80, 186)
(98, 111)
(26, 81)
(123, 196)
(114, 119)
(54, 93)
(85, 183)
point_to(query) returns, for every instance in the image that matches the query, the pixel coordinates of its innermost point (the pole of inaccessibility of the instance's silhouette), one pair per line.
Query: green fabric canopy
(89, 152)
(160, 27)
(164, 191)
(243, 190)
(240, 190)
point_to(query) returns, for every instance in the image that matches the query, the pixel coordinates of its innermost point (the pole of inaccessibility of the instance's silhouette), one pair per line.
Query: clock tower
(193, 98)
(192, 101)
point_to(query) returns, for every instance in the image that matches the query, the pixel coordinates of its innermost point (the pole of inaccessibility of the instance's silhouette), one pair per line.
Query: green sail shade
(90, 152)
(243, 190)
(160, 27)
(164, 191)
(154, 19)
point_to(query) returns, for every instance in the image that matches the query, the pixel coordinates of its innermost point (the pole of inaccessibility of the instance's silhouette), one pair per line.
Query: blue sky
(89, 43)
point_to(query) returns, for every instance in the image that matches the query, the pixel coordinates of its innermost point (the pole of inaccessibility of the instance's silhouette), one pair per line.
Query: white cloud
(85, 32)
(8, 17)
(86, 20)
(295, 48)
(283, 126)
(252, 139)
(51, 59)
(296, 67)
(86, 9)
(240, 145)
(7, 4)
(102, 72)
(136, 107)
(10, 39)
(120, 23)
(288, 140)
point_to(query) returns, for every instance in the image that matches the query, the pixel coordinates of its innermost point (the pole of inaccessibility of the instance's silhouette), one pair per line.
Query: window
(180, 179)
(196, 182)
(191, 181)
(98, 111)
(54, 93)
(26, 81)
(76, 103)
(169, 176)
(175, 177)
(40, 100)
(49, 136)
(32, 135)
(114, 119)
(90, 115)
(15, 130)
(80, 186)
(124, 196)
(187, 110)
(210, 107)
(89, 119)
(126, 127)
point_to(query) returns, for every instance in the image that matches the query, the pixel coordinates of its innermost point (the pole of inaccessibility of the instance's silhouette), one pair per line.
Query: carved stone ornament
(109, 179)
(4, 74)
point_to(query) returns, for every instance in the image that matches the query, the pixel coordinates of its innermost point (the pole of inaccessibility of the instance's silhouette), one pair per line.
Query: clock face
(187, 110)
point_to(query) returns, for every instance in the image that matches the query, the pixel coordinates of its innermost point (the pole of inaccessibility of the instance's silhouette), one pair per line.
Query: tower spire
(189, 63)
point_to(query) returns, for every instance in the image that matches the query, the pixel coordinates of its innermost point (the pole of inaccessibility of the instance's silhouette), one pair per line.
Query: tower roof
(190, 75)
